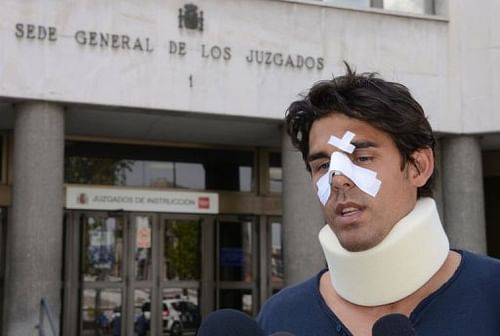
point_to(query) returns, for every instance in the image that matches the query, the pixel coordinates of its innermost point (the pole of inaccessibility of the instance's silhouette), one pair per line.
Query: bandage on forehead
(344, 143)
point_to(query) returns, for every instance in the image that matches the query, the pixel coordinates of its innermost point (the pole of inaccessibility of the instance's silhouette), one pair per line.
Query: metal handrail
(46, 311)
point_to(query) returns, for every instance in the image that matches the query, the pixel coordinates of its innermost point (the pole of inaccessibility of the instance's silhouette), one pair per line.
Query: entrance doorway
(138, 273)
(129, 273)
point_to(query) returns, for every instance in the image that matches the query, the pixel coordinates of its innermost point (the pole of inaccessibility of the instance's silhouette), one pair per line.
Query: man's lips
(348, 213)
(347, 208)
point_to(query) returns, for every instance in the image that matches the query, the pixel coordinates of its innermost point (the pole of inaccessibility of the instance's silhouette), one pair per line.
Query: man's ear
(422, 167)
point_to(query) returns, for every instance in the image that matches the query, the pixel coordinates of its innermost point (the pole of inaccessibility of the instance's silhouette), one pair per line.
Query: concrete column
(34, 235)
(462, 179)
(302, 218)
(438, 182)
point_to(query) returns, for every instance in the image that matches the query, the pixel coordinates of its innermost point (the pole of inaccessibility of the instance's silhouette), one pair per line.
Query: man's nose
(341, 182)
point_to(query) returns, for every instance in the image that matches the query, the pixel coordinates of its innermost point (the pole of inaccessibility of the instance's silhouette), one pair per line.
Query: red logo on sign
(203, 202)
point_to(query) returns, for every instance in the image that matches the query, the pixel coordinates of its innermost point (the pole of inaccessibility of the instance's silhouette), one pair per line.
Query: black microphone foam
(229, 322)
(282, 333)
(393, 325)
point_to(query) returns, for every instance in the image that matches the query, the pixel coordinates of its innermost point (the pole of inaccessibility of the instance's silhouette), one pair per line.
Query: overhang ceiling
(171, 126)
(152, 125)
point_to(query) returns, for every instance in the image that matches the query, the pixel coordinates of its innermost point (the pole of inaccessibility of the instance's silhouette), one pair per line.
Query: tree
(84, 170)
(182, 250)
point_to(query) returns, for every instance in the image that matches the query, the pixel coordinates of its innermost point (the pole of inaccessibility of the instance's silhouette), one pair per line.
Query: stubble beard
(363, 239)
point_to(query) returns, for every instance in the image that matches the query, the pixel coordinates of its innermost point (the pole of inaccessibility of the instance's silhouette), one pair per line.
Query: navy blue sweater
(468, 304)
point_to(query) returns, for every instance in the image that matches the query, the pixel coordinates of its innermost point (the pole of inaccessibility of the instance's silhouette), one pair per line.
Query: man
(369, 149)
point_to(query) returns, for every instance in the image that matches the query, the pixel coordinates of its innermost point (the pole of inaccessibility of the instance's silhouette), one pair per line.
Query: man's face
(359, 220)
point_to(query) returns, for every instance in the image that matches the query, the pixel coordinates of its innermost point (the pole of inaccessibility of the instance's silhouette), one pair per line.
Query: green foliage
(182, 251)
(83, 170)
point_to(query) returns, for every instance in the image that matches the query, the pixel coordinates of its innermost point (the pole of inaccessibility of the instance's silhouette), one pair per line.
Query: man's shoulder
(476, 262)
(481, 271)
(473, 291)
(295, 292)
(293, 298)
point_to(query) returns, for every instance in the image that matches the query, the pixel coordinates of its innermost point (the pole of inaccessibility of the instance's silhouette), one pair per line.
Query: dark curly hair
(387, 106)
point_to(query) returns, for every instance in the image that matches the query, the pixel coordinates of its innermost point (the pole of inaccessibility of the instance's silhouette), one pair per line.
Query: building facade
(145, 178)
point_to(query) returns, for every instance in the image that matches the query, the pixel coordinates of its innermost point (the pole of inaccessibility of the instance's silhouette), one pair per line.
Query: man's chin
(357, 245)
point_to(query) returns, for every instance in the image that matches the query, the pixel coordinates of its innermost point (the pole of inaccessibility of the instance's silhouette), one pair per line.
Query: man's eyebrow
(358, 144)
(317, 155)
(364, 144)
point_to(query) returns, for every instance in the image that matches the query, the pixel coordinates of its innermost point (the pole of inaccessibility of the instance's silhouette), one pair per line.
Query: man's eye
(320, 167)
(364, 159)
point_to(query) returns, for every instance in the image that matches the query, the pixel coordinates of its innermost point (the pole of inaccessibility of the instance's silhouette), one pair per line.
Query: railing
(45, 311)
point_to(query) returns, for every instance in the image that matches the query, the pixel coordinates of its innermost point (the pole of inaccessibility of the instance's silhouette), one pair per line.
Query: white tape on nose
(364, 179)
(324, 188)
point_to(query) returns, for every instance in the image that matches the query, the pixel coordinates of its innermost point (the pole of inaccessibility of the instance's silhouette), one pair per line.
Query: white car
(177, 316)
(172, 322)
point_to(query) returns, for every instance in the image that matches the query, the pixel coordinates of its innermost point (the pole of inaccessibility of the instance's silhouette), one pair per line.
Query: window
(159, 167)
(408, 6)
(349, 3)
(275, 173)
(3, 159)
(277, 271)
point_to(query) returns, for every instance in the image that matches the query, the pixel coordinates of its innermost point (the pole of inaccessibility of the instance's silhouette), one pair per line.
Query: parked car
(190, 314)
(178, 316)
(171, 318)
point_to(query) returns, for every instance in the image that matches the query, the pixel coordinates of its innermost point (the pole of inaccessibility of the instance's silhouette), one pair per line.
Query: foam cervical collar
(404, 261)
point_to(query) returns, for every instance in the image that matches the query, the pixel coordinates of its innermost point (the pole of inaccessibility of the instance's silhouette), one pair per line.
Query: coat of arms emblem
(190, 17)
(82, 198)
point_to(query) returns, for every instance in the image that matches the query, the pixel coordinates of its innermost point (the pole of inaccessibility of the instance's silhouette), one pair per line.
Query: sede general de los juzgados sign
(143, 44)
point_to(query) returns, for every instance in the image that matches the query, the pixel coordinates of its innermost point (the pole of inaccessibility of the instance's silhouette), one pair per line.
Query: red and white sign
(204, 202)
(143, 236)
(128, 199)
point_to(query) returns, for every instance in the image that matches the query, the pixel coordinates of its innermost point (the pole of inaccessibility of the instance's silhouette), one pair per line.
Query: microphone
(282, 333)
(229, 322)
(393, 325)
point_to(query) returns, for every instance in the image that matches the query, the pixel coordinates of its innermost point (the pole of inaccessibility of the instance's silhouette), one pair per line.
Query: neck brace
(404, 261)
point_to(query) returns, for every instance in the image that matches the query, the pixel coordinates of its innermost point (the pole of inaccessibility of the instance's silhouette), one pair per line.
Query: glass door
(117, 274)
(141, 307)
(103, 274)
(3, 226)
(237, 263)
(137, 274)
(181, 274)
